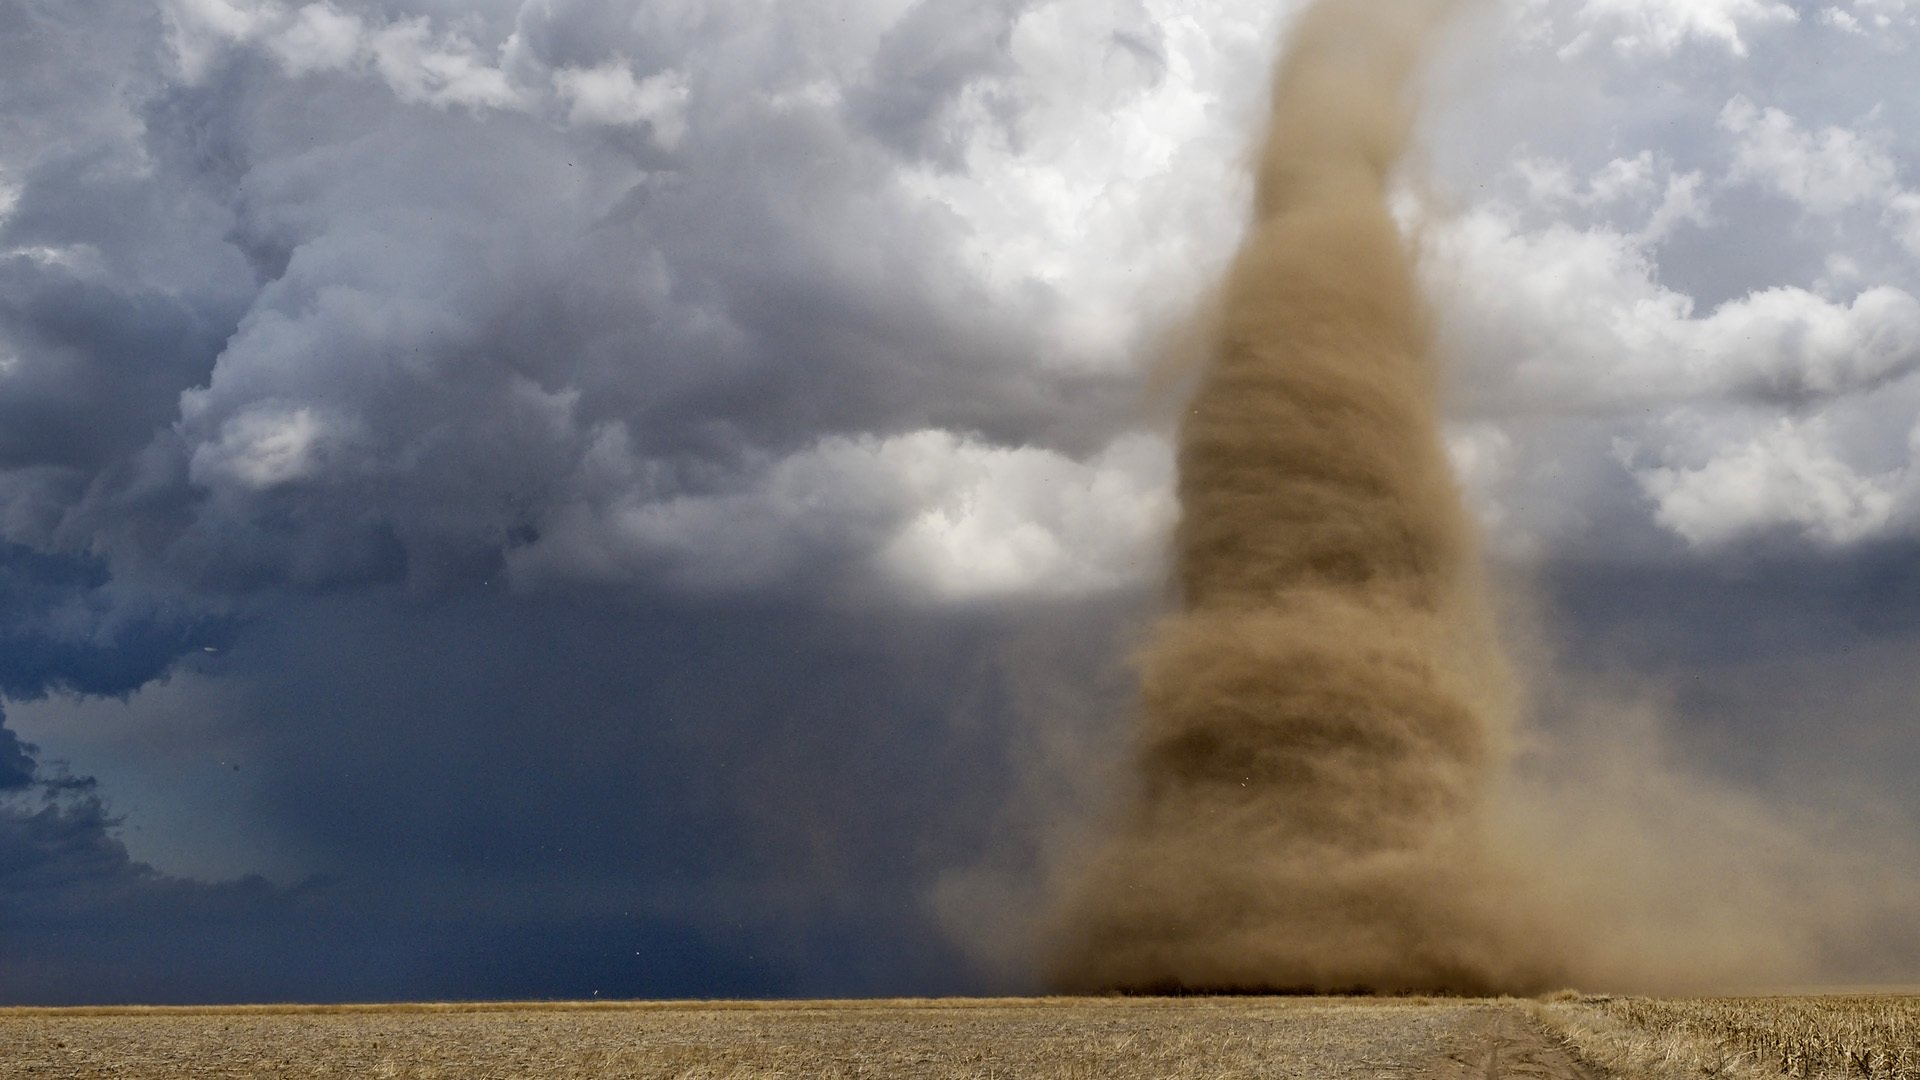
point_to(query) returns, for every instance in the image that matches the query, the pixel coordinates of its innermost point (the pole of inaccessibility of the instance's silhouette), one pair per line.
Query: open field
(1860, 1036)
(1863, 1036)
(1085, 1039)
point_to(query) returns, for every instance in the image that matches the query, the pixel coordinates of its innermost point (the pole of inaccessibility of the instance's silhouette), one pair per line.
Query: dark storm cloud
(1784, 668)
(89, 924)
(491, 781)
(514, 797)
(105, 366)
(116, 289)
(470, 319)
(1739, 608)
(85, 920)
(16, 762)
(66, 626)
(315, 319)
(760, 771)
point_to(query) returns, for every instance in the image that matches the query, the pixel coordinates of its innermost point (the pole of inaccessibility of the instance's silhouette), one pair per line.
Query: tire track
(1507, 1045)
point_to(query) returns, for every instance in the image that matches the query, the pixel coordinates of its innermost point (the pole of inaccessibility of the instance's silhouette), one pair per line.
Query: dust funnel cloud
(1324, 718)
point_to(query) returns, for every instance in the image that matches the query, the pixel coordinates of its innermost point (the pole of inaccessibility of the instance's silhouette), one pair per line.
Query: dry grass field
(1087, 1039)
(1868, 1037)
(1859, 1036)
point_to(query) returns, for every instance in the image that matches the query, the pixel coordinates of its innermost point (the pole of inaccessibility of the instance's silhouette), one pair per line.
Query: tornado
(1325, 714)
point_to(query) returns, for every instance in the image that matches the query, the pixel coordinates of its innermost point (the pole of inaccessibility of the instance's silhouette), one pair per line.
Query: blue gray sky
(544, 497)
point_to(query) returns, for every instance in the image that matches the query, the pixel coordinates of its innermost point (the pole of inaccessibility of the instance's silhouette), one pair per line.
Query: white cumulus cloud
(1643, 27)
(610, 95)
(941, 516)
(1577, 318)
(1825, 171)
(1783, 474)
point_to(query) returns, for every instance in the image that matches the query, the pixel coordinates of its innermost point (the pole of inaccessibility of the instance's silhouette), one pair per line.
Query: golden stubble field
(1859, 1036)
(1090, 1038)
(1569, 1037)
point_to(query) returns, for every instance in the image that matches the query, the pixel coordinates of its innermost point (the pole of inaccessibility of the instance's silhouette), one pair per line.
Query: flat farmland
(1858, 1036)
(1089, 1038)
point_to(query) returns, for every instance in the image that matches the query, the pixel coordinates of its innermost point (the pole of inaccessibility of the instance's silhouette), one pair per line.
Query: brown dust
(1325, 717)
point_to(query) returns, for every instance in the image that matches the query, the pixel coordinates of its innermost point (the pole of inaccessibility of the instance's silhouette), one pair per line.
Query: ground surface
(1094, 1039)
(1831, 1036)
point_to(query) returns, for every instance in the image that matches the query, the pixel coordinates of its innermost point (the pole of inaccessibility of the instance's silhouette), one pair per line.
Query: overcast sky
(537, 497)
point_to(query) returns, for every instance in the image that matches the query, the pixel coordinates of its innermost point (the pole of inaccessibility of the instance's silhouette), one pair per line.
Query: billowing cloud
(1825, 171)
(1787, 475)
(1726, 417)
(493, 256)
(1882, 20)
(1577, 317)
(1640, 27)
(610, 310)
(936, 516)
(610, 95)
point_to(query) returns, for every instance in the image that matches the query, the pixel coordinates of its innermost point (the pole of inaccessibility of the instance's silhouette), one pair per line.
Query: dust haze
(1324, 717)
(1324, 793)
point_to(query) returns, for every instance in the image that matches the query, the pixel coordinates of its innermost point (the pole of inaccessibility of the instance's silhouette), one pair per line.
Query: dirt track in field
(1506, 1043)
(1084, 1039)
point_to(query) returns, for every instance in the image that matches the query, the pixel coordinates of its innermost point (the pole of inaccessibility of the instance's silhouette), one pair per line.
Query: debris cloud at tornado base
(1326, 716)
